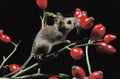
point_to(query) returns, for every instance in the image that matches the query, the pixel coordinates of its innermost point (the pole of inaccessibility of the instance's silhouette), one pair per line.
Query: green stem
(87, 57)
(43, 19)
(66, 47)
(5, 59)
(41, 76)
(86, 44)
(50, 14)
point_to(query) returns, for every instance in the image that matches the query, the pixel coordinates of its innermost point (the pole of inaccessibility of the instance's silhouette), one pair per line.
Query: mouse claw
(55, 55)
(38, 57)
(68, 41)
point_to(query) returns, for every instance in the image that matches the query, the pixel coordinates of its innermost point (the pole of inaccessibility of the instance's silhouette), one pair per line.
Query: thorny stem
(87, 57)
(5, 59)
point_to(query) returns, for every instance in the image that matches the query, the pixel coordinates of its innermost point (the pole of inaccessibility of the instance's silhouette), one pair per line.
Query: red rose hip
(78, 72)
(5, 38)
(109, 37)
(87, 23)
(97, 32)
(53, 77)
(77, 12)
(76, 53)
(13, 67)
(96, 75)
(42, 4)
(104, 47)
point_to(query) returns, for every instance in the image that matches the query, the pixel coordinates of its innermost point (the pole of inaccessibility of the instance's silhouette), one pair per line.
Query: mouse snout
(77, 22)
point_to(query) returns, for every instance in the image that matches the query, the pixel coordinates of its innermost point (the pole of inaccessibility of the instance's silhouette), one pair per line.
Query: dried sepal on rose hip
(97, 32)
(5, 38)
(78, 72)
(109, 37)
(76, 53)
(104, 47)
(13, 67)
(96, 75)
(42, 4)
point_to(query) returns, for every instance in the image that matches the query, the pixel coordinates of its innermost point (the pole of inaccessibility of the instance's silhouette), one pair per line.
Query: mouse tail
(22, 67)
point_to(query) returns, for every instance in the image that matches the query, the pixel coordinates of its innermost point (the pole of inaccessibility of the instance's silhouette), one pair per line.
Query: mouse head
(66, 22)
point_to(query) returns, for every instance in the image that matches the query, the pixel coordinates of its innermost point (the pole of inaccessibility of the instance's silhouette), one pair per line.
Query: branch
(51, 56)
(40, 75)
(6, 58)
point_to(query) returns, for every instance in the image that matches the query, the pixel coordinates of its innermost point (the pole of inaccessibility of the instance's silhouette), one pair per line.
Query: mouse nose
(77, 22)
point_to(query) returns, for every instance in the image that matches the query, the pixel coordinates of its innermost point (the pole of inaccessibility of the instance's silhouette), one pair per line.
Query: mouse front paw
(38, 57)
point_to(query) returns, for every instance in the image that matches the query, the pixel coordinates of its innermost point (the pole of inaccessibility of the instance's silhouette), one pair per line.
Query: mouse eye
(69, 22)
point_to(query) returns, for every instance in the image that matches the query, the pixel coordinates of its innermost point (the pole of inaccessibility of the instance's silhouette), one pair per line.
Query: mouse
(50, 36)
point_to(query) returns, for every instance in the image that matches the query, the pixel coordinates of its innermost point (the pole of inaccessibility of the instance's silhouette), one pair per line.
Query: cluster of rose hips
(98, 36)
(98, 32)
(85, 21)
(4, 37)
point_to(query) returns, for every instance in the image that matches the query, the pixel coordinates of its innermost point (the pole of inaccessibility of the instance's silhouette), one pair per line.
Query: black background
(20, 20)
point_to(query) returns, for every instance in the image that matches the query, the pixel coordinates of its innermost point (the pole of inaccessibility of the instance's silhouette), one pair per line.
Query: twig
(50, 14)
(40, 75)
(66, 47)
(6, 58)
(43, 19)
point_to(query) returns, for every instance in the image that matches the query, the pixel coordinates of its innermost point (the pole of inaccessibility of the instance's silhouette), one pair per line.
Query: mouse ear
(59, 15)
(59, 19)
